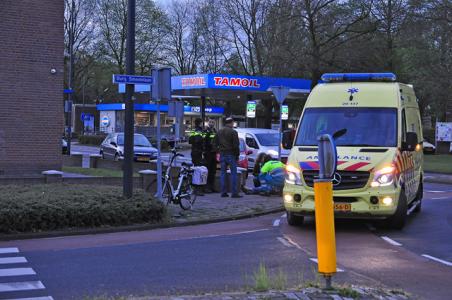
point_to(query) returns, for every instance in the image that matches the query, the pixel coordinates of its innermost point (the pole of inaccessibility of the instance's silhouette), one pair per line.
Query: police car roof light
(338, 77)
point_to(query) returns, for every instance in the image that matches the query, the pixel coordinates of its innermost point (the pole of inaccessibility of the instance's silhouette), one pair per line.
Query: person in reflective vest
(270, 178)
(196, 140)
(210, 155)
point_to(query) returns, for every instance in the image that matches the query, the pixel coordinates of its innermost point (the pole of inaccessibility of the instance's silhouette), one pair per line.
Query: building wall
(31, 98)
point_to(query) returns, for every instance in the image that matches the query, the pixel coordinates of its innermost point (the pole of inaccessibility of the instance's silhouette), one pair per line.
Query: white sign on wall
(443, 132)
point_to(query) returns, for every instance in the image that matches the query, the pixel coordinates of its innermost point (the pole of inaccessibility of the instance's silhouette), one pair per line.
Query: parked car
(64, 145)
(428, 147)
(262, 140)
(113, 147)
(244, 152)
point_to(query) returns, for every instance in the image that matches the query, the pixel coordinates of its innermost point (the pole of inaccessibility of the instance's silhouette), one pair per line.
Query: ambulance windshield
(366, 127)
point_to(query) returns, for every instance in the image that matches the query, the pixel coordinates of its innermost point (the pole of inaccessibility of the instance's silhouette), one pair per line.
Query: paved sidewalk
(310, 293)
(212, 206)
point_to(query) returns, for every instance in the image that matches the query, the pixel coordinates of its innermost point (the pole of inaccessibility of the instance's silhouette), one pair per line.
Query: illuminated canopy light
(338, 77)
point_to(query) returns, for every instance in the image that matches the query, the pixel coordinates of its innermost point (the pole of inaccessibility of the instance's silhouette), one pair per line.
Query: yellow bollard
(324, 222)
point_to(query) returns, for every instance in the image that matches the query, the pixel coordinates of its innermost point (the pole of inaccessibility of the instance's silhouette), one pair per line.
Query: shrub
(58, 206)
(91, 139)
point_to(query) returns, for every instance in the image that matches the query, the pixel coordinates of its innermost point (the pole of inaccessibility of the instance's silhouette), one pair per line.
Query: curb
(441, 178)
(88, 231)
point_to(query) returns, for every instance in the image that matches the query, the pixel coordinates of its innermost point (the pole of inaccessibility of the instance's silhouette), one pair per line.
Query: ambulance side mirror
(287, 141)
(411, 142)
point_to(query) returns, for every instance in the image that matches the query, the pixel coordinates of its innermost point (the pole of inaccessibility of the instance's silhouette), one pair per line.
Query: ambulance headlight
(293, 175)
(384, 177)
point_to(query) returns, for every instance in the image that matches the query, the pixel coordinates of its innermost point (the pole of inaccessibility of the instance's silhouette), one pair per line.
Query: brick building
(31, 86)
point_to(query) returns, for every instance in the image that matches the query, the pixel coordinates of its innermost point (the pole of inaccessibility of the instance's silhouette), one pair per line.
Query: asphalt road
(224, 257)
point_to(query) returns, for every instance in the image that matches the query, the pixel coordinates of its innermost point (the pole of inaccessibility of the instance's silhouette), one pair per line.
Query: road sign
(68, 91)
(251, 109)
(132, 79)
(284, 112)
(105, 121)
(280, 93)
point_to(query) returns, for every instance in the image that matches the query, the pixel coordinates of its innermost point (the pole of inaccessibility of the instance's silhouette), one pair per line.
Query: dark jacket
(210, 135)
(227, 140)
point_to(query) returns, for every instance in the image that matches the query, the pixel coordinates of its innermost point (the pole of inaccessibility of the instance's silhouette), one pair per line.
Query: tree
(183, 45)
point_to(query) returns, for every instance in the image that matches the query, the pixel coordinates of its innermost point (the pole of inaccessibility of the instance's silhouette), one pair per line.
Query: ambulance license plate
(342, 206)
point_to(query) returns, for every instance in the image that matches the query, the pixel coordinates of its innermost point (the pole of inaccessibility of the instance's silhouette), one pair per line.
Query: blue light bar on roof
(338, 77)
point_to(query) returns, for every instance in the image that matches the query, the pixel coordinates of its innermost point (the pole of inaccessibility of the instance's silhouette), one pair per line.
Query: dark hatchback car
(113, 147)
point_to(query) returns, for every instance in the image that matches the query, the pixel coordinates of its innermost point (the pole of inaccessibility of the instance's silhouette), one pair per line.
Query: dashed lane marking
(439, 198)
(34, 298)
(317, 261)
(21, 286)
(391, 241)
(16, 272)
(284, 216)
(284, 242)
(437, 260)
(276, 222)
(438, 191)
(9, 250)
(12, 260)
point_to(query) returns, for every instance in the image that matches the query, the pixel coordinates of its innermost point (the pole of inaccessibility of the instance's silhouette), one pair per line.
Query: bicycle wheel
(187, 195)
(166, 192)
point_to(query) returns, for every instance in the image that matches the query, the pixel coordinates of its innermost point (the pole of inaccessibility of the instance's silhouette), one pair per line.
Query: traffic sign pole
(280, 93)
(129, 111)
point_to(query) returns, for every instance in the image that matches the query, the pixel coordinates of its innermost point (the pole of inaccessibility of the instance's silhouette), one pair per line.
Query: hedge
(47, 207)
(91, 139)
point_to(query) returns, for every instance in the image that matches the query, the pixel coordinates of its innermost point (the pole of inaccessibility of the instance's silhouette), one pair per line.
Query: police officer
(210, 155)
(196, 140)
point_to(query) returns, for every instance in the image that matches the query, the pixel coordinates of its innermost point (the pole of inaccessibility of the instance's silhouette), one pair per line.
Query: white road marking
(437, 260)
(437, 191)
(12, 260)
(439, 198)
(391, 241)
(317, 261)
(292, 242)
(276, 222)
(284, 242)
(284, 216)
(21, 286)
(16, 272)
(8, 250)
(34, 298)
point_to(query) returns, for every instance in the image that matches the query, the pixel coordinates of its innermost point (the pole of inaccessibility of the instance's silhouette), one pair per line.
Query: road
(224, 256)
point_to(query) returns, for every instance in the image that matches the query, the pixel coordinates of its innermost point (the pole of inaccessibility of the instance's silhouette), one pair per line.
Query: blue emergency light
(340, 77)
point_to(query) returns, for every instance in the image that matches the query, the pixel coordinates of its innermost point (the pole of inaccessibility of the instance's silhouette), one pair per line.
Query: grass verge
(95, 172)
(36, 208)
(440, 163)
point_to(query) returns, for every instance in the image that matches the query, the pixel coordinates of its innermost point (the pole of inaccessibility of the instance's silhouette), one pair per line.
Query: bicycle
(183, 194)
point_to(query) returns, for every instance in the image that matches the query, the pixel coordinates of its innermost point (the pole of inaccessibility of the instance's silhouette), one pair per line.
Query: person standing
(196, 140)
(210, 155)
(228, 145)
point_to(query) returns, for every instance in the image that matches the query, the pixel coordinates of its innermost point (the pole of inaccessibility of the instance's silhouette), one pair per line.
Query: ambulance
(379, 159)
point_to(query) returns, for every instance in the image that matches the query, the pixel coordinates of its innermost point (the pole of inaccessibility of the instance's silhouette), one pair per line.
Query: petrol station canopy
(230, 87)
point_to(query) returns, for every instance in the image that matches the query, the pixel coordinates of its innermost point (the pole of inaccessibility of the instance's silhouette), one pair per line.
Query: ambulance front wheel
(294, 220)
(398, 220)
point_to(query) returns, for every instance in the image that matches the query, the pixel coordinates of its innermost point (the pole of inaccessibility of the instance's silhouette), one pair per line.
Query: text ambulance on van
(379, 170)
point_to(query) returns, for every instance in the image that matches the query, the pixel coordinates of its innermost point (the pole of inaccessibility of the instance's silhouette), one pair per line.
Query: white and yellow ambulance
(379, 159)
